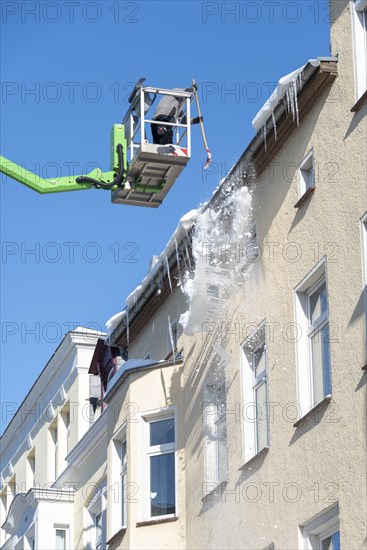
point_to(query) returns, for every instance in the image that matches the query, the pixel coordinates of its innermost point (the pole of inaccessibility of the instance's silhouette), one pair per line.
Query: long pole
(209, 156)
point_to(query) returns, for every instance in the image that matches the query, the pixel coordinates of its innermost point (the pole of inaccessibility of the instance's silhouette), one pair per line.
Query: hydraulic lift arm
(111, 180)
(141, 173)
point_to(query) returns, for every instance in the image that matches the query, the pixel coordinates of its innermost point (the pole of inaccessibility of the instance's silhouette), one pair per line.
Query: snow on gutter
(269, 115)
(266, 119)
(288, 86)
(171, 249)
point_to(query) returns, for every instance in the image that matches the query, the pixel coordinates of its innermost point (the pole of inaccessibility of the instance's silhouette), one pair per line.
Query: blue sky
(67, 69)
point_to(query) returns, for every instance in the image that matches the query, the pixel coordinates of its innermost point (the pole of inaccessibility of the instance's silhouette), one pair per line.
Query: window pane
(222, 459)
(259, 360)
(162, 484)
(335, 539)
(261, 417)
(98, 523)
(220, 399)
(332, 542)
(162, 431)
(60, 539)
(321, 364)
(123, 500)
(318, 303)
(123, 454)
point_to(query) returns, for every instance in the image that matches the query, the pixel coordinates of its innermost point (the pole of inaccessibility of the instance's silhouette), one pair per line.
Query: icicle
(296, 102)
(127, 326)
(188, 255)
(166, 263)
(178, 263)
(264, 131)
(274, 125)
(292, 99)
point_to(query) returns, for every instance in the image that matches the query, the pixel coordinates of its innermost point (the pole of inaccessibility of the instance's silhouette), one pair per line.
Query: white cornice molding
(22, 501)
(72, 342)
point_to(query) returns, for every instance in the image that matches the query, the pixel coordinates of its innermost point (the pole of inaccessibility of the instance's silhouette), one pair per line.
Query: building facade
(231, 402)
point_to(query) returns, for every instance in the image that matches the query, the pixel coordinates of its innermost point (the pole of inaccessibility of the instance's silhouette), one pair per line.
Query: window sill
(263, 451)
(156, 521)
(362, 100)
(305, 196)
(323, 403)
(117, 536)
(221, 485)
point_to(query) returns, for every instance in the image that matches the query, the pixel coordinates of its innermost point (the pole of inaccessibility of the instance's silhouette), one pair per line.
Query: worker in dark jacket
(168, 110)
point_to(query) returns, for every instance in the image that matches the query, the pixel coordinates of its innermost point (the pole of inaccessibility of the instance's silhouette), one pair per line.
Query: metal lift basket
(153, 169)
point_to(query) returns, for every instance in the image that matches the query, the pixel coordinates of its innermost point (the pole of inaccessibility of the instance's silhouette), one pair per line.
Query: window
(172, 335)
(119, 486)
(215, 404)
(255, 393)
(306, 174)
(98, 528)
(173, 327)
(331, 542)
(31, 469)
(313, 345)
(360, 45)
(66, 417)
(95, 519)
(61, 536)
(161, 466)
(30, 538)
(53, 454)
(364, 269)
(322, 531)
(123, 481)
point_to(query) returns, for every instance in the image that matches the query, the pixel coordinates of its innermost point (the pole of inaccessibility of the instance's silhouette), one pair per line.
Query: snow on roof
(288, 86)
(184, 224)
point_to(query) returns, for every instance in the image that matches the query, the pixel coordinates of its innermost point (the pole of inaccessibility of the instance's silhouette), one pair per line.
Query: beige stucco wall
(140, 393)
(323, 458)
(154, 337)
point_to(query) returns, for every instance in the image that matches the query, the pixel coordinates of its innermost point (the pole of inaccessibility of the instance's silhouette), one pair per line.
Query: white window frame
(65, 528)
(359, 23)
(97, 507)
(306, 173)
(31, 467)
(123, 480)
(30, 538)
(320, 527)
(364, 274)
(214, 413)
(305, 332)
(67, 420)
(118, 507)
(146, 419)
(249, 384)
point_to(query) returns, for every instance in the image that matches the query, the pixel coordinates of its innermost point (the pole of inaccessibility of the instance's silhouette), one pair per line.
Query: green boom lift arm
(112, 180)
(141, 173)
